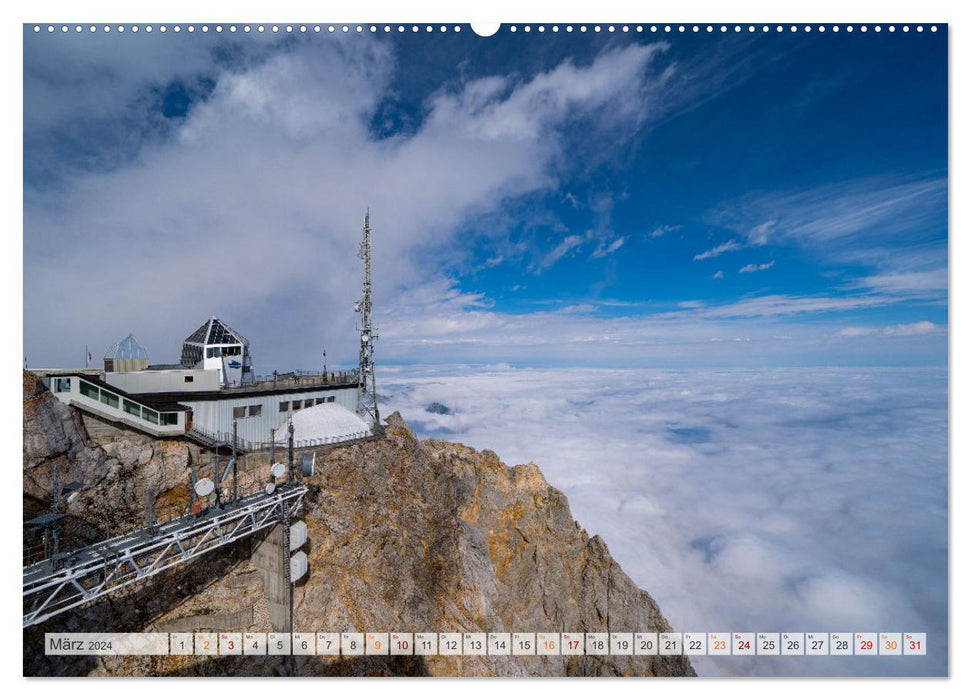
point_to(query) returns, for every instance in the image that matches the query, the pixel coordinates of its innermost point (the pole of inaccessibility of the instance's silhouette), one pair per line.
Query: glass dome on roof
(128, 349)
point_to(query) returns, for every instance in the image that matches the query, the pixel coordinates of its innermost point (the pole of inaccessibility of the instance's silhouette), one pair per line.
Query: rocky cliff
(117, 467)
(405, 535)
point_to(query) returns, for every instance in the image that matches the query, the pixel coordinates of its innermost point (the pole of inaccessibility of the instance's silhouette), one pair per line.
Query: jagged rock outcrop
(404, 535)
(116, 466)
(434, 536)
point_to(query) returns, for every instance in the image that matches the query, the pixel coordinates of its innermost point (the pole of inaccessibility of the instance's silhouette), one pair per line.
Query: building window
(89, 390)
(212, 352)
(321, 400)
(132, 408)
(188, 379)
(297, 405)
(61, 384)
(256, 410)
(109, 399)
(170, 418)
(191, 355)
(284, 406)
(239, 412)
(308, 403)
(331, 399)
(150, 415)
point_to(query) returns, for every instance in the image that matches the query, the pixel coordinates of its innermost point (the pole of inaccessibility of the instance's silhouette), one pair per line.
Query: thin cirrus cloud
(759, 235)
(752, 267)
(726, 247)
(659, 231)
(606, 249)
(916, 328)
(895, 226)
(272, 171)
(564, 248)
(437, 322)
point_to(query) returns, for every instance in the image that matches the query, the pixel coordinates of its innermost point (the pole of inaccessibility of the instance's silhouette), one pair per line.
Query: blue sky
(583, 199)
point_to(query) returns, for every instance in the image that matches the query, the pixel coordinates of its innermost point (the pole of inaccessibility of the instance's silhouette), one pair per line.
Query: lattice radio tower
(367, 394)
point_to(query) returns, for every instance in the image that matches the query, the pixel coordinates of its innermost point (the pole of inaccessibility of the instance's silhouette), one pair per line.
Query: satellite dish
(278, 470)
(357, 306)
(364, 337)
(270, 488)
(205, 486)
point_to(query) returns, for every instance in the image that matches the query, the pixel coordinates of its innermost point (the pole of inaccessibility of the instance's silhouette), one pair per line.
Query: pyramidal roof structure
(127, 349)
(215, 332)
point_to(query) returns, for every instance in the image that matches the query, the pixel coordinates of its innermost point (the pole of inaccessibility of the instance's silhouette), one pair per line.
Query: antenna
(217, 482)
(235, 469)
(367, 394)
(290, 451)
(193, 479)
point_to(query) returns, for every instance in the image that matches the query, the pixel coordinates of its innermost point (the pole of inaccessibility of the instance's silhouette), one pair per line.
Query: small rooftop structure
(215, 332)
(323, 424)
(126, 356)
(214, 345)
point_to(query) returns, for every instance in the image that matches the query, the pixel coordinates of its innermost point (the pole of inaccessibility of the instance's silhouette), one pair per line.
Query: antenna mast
(367, 395)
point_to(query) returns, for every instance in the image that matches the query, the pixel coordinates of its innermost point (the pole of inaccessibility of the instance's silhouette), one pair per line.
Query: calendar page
(523, 349)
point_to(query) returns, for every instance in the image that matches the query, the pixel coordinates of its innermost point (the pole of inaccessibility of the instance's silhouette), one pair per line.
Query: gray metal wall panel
(217, 416)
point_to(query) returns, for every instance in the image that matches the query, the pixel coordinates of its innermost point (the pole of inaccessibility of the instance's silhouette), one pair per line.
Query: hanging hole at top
(485, 28)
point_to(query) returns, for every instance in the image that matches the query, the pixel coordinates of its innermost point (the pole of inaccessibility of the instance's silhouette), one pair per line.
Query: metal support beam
(93, 572)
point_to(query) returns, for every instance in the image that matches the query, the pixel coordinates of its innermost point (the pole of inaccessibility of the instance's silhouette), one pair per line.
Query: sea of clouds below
(777, 500)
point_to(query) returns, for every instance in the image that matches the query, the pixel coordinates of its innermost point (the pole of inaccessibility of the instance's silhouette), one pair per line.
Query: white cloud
(659, 231)
(438, 313)
(752, 267)
(251, 209)
(577, 309)
(894, 225)
(855, 331)
(900, 329)
(563, 248)
(918, 328)
(718, 275)
(759, 235)
(908, 282)
(725, 247)
(795, 499)
(605, 250)
(776, 305)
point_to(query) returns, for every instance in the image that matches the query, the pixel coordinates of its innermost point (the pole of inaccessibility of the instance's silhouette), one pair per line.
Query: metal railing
(225, 439)
(298, 378)
(333, 440)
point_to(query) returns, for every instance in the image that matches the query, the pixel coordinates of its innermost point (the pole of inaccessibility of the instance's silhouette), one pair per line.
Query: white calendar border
(521, 10)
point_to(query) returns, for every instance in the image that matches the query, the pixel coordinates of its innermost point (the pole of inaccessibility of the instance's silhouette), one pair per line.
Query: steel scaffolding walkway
(54, 586)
